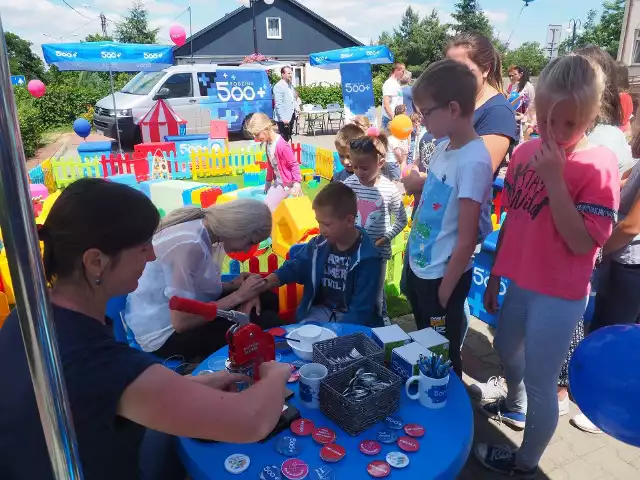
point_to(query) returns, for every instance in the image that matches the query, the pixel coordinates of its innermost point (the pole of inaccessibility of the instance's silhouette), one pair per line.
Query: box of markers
(389, 338)
(404, 359)
(432, 341)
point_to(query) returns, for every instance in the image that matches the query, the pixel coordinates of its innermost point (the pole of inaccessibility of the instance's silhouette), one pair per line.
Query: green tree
(604, 32)
(98, 37)
(470, 18)
(416, 42)
(135, 27)
(529, 55)
(22, 60)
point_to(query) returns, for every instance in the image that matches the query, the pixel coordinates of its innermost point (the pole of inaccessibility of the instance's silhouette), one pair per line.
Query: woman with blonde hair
(190, 246)
(282, 167)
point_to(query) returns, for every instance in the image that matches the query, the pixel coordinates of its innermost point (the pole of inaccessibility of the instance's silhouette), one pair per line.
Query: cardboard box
(432, 341)
(389, 338)
(404, 360)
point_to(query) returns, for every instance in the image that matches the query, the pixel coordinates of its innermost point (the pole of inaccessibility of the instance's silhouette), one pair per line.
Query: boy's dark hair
(448, 81)
(340, 198)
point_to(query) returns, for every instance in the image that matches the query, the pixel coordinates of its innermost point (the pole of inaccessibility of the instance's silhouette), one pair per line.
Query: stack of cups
(311, 375)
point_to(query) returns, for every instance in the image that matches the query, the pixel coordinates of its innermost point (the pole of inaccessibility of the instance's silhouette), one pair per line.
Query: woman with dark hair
(97, 241)
(622, 74)
(521, 85)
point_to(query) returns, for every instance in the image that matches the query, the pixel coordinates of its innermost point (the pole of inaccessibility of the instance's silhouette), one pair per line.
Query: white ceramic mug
(311, 375)
(432, 392)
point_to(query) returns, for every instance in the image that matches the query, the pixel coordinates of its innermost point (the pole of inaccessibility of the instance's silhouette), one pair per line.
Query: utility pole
(103, 23)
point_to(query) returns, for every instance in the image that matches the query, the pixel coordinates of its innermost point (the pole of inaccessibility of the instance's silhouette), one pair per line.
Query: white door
(178, 89)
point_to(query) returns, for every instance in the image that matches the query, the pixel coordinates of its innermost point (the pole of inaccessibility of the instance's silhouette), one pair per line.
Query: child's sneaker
(502, 459)
(386, 320)
(494, 389)
(498, 411)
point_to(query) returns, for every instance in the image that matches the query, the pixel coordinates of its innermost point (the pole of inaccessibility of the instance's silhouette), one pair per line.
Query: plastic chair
(335, 117)
(115, 311)
(314, 120)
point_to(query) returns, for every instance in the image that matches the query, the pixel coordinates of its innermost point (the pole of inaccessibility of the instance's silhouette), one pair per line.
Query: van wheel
(246, 135)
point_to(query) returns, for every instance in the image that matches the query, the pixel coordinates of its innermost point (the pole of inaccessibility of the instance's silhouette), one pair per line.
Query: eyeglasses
(426, 113)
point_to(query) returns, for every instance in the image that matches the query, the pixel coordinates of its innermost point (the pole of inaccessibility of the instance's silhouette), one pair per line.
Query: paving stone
(581, 443)
(555, 474)
(607, 459)
(580, 469)
(561, 454)
(478, 345)
(626, 453)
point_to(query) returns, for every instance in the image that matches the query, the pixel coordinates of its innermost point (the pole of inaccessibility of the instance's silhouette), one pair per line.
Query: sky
(364, 19)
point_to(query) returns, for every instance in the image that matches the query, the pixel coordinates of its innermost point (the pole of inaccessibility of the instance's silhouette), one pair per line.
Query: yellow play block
(292, 220)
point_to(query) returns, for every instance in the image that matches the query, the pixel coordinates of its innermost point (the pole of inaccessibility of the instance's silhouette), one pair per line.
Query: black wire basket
(336, 353)
(355, 416)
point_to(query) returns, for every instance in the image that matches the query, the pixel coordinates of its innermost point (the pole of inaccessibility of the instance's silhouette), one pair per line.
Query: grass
(397, 306)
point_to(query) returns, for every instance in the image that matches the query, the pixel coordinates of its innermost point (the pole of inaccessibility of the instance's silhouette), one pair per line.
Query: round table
(444, 448)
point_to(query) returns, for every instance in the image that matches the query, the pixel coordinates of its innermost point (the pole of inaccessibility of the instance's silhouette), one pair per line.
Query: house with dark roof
(286, 31)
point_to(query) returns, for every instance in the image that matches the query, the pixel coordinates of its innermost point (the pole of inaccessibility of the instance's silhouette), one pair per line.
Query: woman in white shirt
(190, 246)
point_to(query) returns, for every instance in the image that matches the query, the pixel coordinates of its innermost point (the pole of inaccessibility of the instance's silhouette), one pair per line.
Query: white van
(198, 93)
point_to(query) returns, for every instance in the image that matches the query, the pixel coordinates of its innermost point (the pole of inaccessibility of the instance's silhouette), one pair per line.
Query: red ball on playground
(36, 88)
(244, 256)
(401, 127)
(178, 35)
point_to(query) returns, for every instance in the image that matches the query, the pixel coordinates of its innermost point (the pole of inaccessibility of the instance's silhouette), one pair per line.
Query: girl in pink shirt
(562, 194)
(283, 169)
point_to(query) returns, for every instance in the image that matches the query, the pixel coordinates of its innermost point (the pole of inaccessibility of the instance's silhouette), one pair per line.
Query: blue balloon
(82, 127)
(604, 380)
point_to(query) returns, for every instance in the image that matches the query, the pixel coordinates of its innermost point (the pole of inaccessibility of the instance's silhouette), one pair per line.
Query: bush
(31, 127)
(324, 95)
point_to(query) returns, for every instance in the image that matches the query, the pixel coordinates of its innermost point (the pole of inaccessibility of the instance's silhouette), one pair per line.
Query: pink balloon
(178, 35)
(36, 88)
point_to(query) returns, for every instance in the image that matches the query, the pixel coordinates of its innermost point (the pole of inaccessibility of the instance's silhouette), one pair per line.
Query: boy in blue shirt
(339, 269)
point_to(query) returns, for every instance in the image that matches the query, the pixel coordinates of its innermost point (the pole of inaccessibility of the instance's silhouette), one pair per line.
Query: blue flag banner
(374, 54)
(105, 56)
(357, 91)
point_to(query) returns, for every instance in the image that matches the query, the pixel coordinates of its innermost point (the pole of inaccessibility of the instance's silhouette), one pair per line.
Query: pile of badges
(392, 434)
(363, 384)
(292, 446)
(354, 354)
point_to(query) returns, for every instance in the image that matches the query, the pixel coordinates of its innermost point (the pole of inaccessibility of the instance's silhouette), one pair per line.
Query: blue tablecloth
(443, 450)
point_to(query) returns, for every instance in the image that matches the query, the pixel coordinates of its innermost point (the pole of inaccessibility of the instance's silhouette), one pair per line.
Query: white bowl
(304, 349)
(309, 333)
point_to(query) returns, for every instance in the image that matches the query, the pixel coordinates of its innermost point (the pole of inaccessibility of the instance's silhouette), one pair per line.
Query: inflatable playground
(189, 170)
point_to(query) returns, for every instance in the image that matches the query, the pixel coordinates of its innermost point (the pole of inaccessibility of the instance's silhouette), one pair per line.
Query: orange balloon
(401, 127)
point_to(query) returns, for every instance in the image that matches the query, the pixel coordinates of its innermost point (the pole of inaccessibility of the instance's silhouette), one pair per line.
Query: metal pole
(255, 32)
(190, 33)
(32, 301)
(115, 110)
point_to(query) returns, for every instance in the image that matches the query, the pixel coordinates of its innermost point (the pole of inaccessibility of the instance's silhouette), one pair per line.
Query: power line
(77, 11)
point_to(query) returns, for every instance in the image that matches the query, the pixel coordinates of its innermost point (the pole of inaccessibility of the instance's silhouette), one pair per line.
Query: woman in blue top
(97, 241)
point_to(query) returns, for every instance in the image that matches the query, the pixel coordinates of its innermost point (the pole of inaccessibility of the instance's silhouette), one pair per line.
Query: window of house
(179, 85)
(274, 28)
(636, 47)
(298, 77)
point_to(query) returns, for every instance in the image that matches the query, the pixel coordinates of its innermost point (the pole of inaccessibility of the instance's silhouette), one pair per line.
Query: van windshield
(142, 83)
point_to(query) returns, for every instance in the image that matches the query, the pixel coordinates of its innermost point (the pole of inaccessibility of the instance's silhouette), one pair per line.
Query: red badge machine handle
(249, 345)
